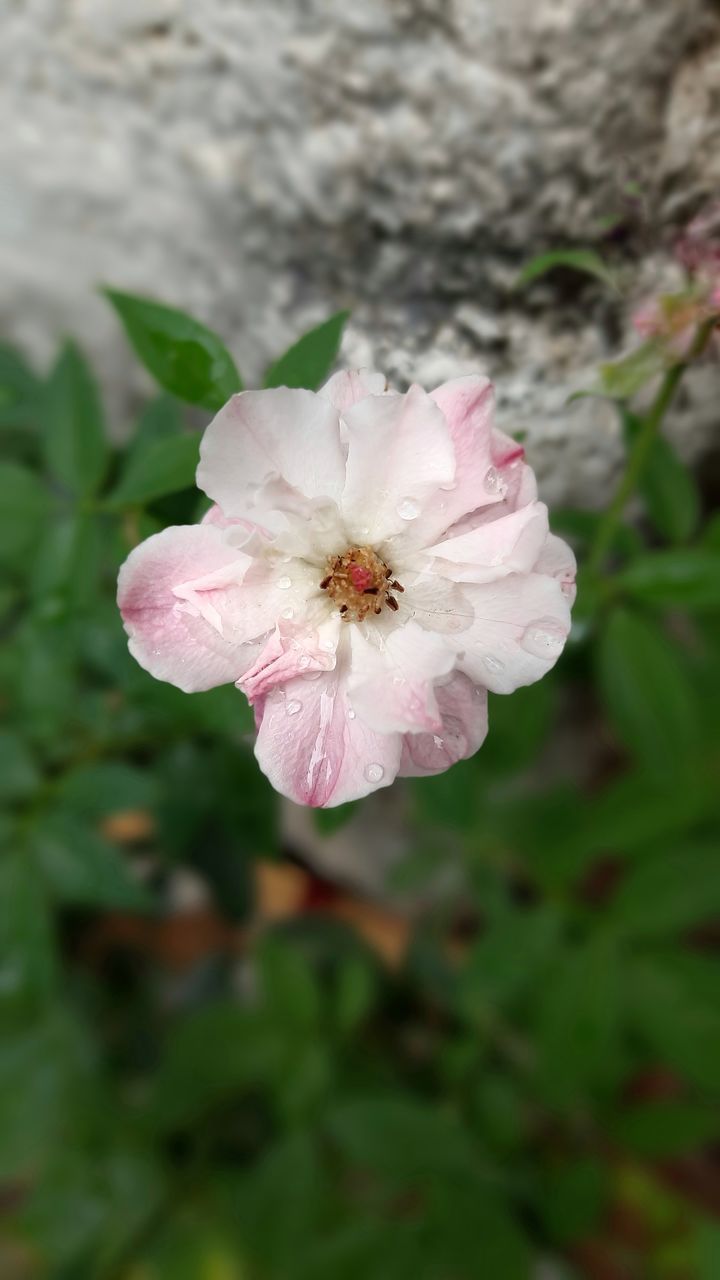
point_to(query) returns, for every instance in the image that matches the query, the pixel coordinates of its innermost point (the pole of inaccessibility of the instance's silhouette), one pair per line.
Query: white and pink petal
(259, 436)
(464, 716)
(519, 628)
(169, 635)
(315, 749)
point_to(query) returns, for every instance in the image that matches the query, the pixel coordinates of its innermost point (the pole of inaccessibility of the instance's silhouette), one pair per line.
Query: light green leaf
(164, 466)
(586, 261)
(23, 506)
(309, 361)
(184, 356)
(647, 692)
(622, 379)
(678, 578)
(76, 447)
(84, 869)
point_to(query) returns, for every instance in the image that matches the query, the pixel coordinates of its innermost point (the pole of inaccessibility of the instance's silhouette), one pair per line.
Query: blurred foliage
(214, 1066)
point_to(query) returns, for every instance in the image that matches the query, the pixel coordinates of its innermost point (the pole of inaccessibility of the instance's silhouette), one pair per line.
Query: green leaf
(23, 507)
(20, 390)
(76, 448)
(647, 692)
(622, 379)
(402, 1138)
(27, 944)
(66, 567)
(659, 1130)
(164, 466)
(510, 956)
(687, 578)
(674, 1002)
(18, 773)
(578, 1023)
(574, 1198)
(670, 493)
(185, 358)
(92, 791)
(84, 869)
(309, 361)
(585, 260)
(669, 892)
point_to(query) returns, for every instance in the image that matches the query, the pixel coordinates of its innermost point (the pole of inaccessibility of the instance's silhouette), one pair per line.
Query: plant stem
(649, 427)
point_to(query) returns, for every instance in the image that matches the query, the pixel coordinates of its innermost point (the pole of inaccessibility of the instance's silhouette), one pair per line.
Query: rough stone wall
(263, 162)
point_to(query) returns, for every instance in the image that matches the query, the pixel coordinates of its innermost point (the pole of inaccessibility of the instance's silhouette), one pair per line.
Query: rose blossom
(374, 564)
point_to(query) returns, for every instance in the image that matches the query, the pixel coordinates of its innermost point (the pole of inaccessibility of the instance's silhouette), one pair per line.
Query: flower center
(360, 583)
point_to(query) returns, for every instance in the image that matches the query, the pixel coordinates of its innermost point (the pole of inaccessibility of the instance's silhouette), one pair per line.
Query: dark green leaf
(66, 568)
(309, 361)
(23, 507)
(511, 955)
(164, 466)
(682, 579)
(185, 358)
(84, 869)
(585, 260)
(669, 892)
(76, 448)
(647, 692)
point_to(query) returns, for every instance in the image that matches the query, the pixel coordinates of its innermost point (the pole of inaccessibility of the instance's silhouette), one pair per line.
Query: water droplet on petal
(374, 772)
(544, 638)
(398, 680)
(493, 664)
(284, 583)
(351, 714)
(293, 707)
(448, 488)
(304, 660)
(408, 509)
(492, 481)
(327, 646)
(287, 613)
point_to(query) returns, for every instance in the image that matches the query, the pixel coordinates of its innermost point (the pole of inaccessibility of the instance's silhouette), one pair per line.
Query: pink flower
(374, 564)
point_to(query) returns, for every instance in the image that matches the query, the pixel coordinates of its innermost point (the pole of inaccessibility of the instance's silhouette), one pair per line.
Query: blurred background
(468, 1029)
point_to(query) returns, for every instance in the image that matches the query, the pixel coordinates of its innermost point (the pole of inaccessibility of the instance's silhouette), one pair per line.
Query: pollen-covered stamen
(359, 582)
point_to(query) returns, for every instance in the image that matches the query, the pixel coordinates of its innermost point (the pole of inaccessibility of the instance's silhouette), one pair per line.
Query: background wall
(263, 162)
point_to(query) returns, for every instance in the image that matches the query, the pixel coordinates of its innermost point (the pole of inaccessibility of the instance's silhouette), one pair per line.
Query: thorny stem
(649, 427)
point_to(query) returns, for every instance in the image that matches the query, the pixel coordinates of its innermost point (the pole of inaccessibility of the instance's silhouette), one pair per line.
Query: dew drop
(327, 646)
(493, 664)
(374, 772)
(544, 638)
(293, 707)
(398, 680)
(492, 481)
(351, 714)
(287, 613)
(284, 583)
(304, 660)
(448, 488)
(312, 675)
(408, 509)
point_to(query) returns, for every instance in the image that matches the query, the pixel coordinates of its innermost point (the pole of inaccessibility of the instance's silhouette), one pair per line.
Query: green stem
(644, 440)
